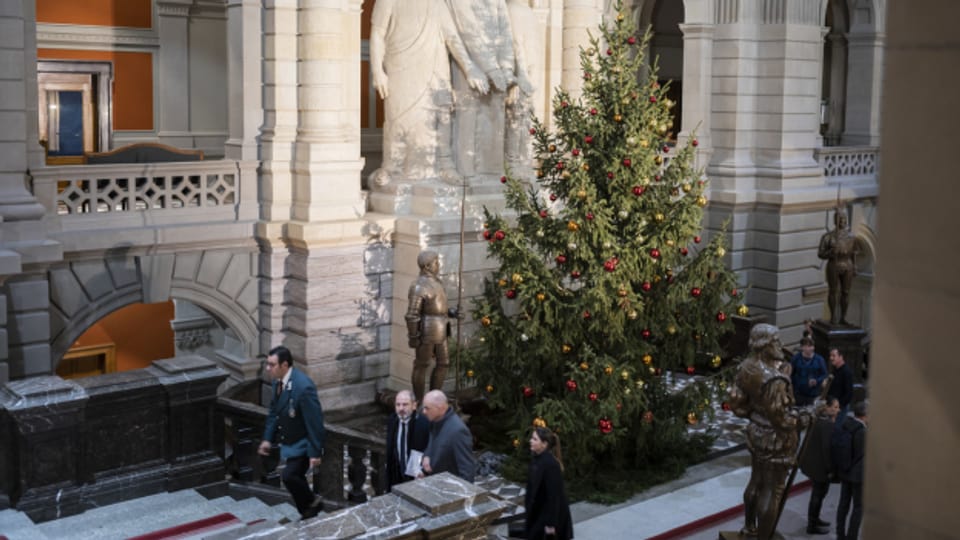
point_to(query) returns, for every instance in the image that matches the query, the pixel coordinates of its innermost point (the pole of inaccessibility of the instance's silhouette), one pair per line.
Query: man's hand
(264, 449)
(548, 530)
(315, 461)
(425, 465)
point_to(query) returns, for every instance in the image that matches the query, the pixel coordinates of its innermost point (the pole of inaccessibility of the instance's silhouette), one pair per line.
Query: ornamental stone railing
(849, 164)
(216, 195)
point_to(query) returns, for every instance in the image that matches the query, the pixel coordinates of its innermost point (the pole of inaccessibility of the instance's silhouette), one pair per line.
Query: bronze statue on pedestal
(762, 392)
(427, 328)
(839, 248)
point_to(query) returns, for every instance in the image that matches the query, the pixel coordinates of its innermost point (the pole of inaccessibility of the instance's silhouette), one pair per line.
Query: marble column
(580, 17)
(697, 86)
(174, 61)
(244, 96)
(864, 77)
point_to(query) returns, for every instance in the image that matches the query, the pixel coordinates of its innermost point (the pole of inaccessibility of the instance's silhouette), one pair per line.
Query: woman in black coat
(547, 509)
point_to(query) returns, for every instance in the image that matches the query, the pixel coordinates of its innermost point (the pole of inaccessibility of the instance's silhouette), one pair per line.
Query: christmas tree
(605, 286)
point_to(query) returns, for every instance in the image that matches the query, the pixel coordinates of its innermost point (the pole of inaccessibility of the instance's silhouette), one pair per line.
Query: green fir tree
(605, 285)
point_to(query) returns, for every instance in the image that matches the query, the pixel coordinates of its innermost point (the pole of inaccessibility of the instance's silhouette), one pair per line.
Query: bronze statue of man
(839, 248)
(762, 393)
(427, 329)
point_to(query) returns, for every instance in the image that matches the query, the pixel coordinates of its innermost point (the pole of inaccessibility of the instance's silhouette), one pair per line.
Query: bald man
(451, 445)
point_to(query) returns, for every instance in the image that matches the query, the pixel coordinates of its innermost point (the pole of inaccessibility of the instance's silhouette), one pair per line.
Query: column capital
(695, 30)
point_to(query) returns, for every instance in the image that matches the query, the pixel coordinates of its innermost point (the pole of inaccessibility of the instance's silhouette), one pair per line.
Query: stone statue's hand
(499, 80)
(477, 80)
(525, 85)
(513, 95)
(380, 83)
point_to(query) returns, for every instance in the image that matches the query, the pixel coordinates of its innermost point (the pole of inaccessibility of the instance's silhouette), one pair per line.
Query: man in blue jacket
(809, 371)
(295, 421)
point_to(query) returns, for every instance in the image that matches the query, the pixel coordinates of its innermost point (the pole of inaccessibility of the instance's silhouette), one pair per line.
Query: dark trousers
(295, 479)
(849, 491)
(817, 495)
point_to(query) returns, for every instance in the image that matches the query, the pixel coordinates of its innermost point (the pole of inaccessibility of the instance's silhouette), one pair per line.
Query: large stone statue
(427, 324)
(484, 27)
(762, 393)
(409, 41)
(528, 54)
(839, 248)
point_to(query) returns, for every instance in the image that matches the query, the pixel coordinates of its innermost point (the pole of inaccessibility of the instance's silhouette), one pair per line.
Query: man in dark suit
(450, 448)
(816, 464)
(406, 431)
(851, 478)
(295, 421)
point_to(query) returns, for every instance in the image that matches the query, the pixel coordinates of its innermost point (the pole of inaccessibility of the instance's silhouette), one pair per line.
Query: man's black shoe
(315, 508)
(822, 523)
(816, 529)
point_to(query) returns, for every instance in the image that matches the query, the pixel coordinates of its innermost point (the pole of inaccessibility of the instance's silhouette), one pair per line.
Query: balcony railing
(849, 164)
(81, 198)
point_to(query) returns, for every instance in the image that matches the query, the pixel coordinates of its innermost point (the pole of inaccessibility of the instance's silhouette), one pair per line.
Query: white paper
(413, 463)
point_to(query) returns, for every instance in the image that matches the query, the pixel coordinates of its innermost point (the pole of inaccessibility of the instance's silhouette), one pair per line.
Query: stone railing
(849, 164)
(80, 198)
(353, 468)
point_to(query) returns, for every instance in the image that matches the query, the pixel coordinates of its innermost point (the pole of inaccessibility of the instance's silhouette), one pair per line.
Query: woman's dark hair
(553, 443)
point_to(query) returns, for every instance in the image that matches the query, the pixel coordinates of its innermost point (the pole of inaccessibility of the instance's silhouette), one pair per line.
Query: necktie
(403, 446)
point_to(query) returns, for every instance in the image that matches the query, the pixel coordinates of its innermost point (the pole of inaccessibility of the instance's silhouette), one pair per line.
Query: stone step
(16, 525)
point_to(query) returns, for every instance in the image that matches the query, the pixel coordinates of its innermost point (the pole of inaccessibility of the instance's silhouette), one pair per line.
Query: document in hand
(413, 463)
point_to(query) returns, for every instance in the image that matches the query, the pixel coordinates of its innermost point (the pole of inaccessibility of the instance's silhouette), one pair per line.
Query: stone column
(244, 102)
(697, 86)
(864, 77)
(579, 18)
(838, 83)
(173, 115)
(327, 160)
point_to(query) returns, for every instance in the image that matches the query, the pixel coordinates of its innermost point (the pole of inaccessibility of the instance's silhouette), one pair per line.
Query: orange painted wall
(132, 84)
(140, 332)
(131, 13)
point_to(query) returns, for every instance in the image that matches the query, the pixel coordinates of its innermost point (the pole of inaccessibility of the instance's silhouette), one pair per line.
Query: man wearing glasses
(295, 421)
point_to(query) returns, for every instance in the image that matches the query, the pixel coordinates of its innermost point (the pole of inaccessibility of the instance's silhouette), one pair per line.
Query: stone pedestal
(847, 339)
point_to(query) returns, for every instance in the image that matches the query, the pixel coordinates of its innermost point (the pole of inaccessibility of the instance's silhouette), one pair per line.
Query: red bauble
(586, 76)
(605, 425)
(575, 151)
(571, 385)
(648, 417)
(589, 216)
(695, 143)
(593, 396)
(487, 235)
(533, 131)
(645, 333)
(511, 294)
(626, 162)
(543, 214)
(721, 316)
(638, 190)
(655, 253)
(500, 235)
(609, 52)
(619, 406)
(631, 40)
(610, 175)
(588, 139)
(696, 239)
(691, 370)
(725, 406)
(653, 99)
(695, 292)
(553, 196)
(733, 293)
(593, 111)
(527, 391)
(559, 165)
(684, 251)
(665, 149)
(575, 274)
(586, 314)
(610, 265)
(658, 371)
(646, 286)
(656, 178)
(561, 258)
(564, 104)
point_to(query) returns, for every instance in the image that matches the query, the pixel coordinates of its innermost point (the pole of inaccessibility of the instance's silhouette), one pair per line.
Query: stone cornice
(87, 37)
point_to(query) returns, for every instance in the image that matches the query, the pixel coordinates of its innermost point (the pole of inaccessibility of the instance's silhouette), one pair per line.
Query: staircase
(151, 514)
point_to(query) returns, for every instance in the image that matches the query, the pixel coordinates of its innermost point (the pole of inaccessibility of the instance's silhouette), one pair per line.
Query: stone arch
(221, 282)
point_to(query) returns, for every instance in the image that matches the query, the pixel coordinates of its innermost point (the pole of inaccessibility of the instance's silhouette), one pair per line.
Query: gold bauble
(662, 128)
(585, 166)
(517, 278)
(658, 160)
(539, 173)
(572, 226)
(489, 388)
(647, 359)
(485, 321)
(624, 374)
(716, 361)
(617, 118)
(566, 174)
(671, 329)
(582, 194)
(632, 315)
(687, 188)
(502, 282)
(721, 252)
(644, 143)
(539, 422)
(516, 443)
(621, 292)
(584, 366)
(552, 148)
(701, 201)
(640, 381)
(541, 297)
(659, 217)
(470, 373)
(743, 310)
(608, 370)
(566, 348)
(619, 16)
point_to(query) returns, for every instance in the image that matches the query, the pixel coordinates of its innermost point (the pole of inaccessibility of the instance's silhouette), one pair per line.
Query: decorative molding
(173, 8)
(87, 37)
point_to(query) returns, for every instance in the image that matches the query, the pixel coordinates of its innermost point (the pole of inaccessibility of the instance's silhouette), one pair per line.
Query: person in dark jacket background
(815, 463)
(547, 509)
(842, 386)
(851, 479)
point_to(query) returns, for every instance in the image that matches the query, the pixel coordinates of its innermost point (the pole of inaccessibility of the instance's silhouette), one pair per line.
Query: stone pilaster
(244, 96)
(836, 104)
(174, 61)
(697, 86)
(580, 17)
(864, 77)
